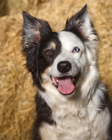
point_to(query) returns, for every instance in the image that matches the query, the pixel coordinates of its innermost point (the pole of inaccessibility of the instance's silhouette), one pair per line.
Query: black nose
(64, 66)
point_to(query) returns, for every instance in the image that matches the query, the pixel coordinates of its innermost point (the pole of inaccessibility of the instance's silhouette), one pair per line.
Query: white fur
(74, 120)
(77, 116)
(69, 41)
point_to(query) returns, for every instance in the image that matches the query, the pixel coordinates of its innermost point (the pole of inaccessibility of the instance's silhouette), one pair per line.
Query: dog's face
(68, 63)
(63, 58)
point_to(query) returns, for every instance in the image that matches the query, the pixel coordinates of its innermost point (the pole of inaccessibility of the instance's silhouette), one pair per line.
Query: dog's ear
(82, 26)
(34, 30)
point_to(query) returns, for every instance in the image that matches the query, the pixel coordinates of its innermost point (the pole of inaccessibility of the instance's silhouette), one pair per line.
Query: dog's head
(60, 58)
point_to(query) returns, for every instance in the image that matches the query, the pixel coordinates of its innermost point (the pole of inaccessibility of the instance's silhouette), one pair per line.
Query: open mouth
(65, 85)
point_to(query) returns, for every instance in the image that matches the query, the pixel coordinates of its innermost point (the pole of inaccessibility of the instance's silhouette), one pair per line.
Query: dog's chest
(74, 124)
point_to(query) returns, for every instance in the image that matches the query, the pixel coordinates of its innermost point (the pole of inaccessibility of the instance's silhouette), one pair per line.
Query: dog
(72, 102)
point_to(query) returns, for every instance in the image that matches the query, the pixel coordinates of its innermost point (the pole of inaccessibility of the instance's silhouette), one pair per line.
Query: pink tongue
(65, 86)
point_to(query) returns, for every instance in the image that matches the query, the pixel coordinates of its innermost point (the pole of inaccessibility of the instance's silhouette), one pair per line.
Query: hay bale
(16, 6)
(3, 7)
(17, 93)
(17, 108)
(8, 7)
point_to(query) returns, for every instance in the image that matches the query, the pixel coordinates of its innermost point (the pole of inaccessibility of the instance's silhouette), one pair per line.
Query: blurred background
(17, 108)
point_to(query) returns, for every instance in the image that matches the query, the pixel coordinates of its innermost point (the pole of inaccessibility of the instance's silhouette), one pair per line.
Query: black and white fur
(83, 113)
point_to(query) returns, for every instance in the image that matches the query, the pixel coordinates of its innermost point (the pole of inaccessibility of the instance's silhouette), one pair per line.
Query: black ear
(81, 25)
(34, 30)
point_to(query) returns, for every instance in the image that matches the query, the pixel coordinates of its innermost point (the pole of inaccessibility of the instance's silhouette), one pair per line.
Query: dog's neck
(87, 83)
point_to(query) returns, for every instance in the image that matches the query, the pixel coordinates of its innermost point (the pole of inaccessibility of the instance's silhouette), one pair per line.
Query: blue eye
(76, 50)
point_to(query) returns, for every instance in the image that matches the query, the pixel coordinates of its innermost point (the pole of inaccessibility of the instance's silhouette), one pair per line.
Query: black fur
(44, 115)
(46, 61)
(33, 31)
(110, 126)
(104, 102)
(75, 24)
(110, 131)
(37, 35)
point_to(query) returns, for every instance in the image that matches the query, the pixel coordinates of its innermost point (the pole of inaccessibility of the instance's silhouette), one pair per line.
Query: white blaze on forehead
(70, 40)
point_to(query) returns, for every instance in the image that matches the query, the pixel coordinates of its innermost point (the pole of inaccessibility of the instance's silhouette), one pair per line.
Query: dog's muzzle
(65, 84)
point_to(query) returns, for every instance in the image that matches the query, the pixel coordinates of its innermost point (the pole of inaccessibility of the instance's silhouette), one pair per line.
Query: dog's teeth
(57, 81)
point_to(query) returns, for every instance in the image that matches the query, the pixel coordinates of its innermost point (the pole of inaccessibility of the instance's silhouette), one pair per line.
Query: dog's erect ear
(34, 29)
(81, 25)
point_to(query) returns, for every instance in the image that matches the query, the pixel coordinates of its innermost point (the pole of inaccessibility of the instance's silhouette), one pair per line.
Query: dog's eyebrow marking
(53, 45)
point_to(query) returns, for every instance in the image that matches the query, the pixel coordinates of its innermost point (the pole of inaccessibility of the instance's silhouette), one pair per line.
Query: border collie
(71, 103)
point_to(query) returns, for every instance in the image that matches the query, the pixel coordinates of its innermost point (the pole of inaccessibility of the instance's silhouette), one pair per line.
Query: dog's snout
(64, 66)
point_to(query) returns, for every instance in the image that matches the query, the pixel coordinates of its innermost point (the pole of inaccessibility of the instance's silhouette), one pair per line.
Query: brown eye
(49, 53)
